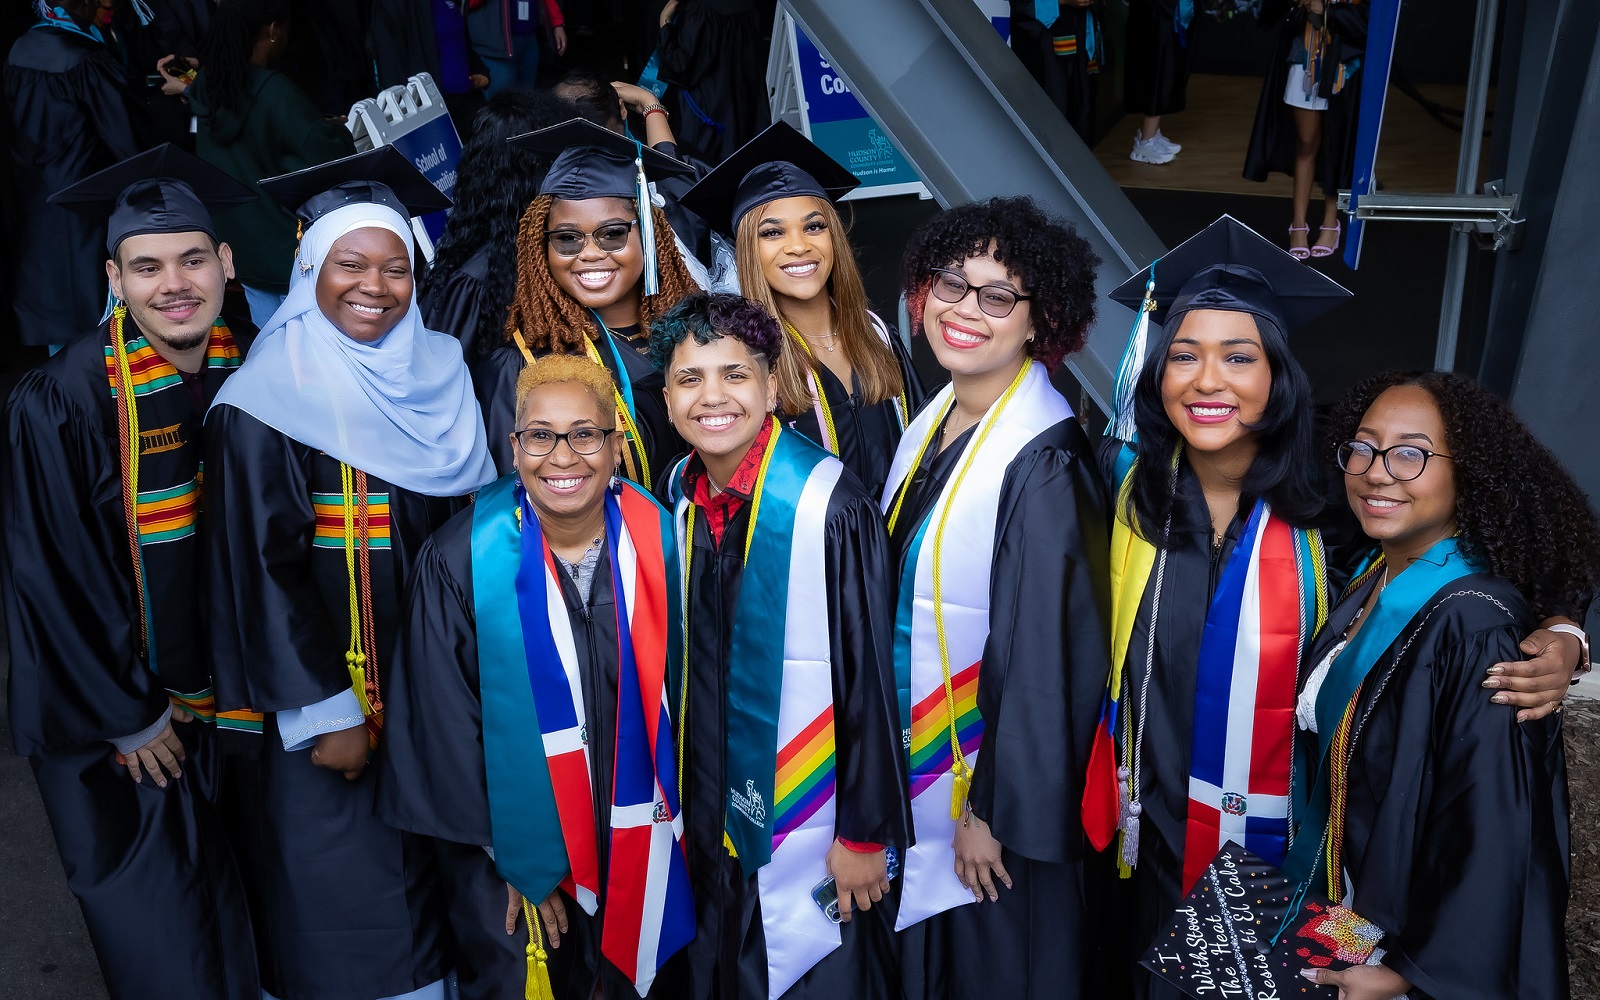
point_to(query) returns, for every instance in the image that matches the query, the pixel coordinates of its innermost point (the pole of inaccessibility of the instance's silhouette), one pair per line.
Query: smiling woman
(346, 439)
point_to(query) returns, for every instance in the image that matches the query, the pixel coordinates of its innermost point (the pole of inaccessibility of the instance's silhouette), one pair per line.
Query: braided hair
(225, 49)
(549, 318)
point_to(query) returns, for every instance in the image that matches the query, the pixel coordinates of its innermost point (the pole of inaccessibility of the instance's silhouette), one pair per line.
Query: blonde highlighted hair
(875, 365)
(553, 369)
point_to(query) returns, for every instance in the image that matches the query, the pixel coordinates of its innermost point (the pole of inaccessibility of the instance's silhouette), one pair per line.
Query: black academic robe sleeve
(274, 645)
(431, 777)
(1048, 653)
(1457, 837)
(873, 804)
(72, 620)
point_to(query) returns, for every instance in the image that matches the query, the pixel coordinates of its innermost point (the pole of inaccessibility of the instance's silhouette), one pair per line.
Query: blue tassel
(1123, 426)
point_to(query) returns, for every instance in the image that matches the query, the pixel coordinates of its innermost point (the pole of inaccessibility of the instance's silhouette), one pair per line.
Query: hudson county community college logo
(749, 803)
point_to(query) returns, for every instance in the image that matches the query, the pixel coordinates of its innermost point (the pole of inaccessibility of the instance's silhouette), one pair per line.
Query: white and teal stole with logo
(942, 621)
(778, 808)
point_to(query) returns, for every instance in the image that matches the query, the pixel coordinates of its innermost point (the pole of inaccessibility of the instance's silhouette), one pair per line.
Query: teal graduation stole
(1401, 600)
(756, 656)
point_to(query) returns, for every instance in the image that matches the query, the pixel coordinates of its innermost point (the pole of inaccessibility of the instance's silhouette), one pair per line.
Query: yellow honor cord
(688, 565)
(821, 398)
(640, 472)
(355, 657)
(538, 982)
(130, 471)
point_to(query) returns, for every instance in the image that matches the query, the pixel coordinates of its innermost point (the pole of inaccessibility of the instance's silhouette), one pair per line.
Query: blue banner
(1383, 20)
(435, 149)
(842, 127)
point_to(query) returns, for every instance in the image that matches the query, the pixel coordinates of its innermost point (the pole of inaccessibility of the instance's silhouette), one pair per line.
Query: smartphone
(826, 893)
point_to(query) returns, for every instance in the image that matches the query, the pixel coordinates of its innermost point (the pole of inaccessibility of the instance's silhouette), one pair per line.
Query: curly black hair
(495, 182)
(1046, 256)
(1519, 510)
(710, 316)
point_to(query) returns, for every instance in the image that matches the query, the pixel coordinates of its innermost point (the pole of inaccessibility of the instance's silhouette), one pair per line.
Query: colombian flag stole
(531, 690)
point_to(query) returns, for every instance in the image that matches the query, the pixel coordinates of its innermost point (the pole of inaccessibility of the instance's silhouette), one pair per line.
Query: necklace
(828, 337)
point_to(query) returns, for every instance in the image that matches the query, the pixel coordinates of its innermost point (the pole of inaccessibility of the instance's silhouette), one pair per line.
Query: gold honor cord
(356, 530)
(958, 760)
(537, 985)
(903, 411)
(688, 565)
(128, 426)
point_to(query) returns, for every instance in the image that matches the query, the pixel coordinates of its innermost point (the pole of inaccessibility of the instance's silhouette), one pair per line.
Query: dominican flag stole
(1269, 602)
(938, 656)
(535, 731)
(779, 807)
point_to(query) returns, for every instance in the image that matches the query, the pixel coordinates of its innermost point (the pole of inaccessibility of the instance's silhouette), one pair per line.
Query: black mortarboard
(162, 190)
(778, 163)
(1226, 266)
(594, 162)
(381, 176)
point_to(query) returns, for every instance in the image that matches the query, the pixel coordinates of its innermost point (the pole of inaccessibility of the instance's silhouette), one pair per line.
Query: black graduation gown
(495, 382)
(868, 435)
(73, 111)
(1456, 839)
(345, 906)
(713, 55)
(728, 956)
(1044, 671)
(1273, 140)
(1155, 61)
(135, 855)
(1069, 80)
(431, 772)
(461, 302)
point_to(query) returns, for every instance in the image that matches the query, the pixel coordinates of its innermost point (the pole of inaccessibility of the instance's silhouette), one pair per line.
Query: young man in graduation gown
(109, 691)
(545, 615)
(793, 769)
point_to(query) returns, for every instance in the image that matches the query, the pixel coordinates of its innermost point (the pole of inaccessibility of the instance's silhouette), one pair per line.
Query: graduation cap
(162, 190)
(381, 176)
(778, 163)
(594, 162)
(1226, 266)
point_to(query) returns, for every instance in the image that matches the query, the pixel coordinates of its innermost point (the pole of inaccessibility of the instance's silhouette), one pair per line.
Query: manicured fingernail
(1310, 974)
(1500, 699)
(1492, 682)
(1496, 669)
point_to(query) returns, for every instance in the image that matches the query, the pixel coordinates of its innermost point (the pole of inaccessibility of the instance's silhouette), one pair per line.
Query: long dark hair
(225, 49)
(495, 184)
(1518, 508)
(1285, 472)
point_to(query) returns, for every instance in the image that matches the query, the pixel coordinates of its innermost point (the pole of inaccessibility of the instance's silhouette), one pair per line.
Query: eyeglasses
(537, 442)
(611, 237)
(993, 300)
(1405, 462)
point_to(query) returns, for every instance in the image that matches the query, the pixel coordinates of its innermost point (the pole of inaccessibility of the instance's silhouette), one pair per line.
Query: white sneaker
(1166, 143)
(1147, 151)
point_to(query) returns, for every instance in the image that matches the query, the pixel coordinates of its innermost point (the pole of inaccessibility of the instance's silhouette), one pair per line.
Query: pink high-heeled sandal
(1337, 230)
(1300, 253)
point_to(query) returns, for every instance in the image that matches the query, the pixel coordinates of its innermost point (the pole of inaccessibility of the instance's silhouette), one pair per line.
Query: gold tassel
(538, 983)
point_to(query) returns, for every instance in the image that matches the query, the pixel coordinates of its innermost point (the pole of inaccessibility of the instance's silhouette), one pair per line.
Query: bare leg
(1308, 132)
(1152, 123)
(1330, 222)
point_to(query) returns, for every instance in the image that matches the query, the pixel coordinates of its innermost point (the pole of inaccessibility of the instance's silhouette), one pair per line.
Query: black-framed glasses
(537, 442)
(993, 300)
(1405, 462)
(611, 237)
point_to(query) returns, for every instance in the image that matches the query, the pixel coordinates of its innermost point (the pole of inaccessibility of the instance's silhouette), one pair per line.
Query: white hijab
(401, 409)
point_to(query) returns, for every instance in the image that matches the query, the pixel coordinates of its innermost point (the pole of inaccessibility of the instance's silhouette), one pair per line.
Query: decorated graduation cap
(163, 190)
(1226, 266)
(380, 176)
(778, 163)
(594, 162)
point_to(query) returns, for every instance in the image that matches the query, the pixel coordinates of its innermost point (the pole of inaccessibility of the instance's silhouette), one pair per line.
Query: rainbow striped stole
(970, 518)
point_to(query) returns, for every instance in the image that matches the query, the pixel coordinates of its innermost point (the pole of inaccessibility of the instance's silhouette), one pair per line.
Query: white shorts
(1294, 92)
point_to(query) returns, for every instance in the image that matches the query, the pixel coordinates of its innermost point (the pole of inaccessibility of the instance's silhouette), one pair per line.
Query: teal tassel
(1123, 427)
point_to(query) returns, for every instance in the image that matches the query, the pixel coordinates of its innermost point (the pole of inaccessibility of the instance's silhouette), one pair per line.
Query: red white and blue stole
(779, 807)
(1269, 602)
(542, 818)
(962, 523)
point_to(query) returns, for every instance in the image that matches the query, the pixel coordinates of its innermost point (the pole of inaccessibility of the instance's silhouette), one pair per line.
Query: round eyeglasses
(611, 237)
(1405, 462)
(537, 442)
(993, 300)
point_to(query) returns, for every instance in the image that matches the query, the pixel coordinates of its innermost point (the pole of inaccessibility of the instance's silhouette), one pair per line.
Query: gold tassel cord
(538, 982)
